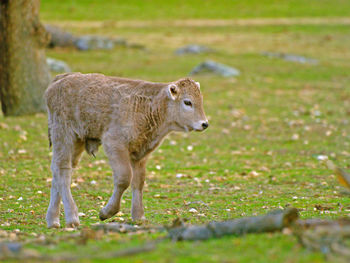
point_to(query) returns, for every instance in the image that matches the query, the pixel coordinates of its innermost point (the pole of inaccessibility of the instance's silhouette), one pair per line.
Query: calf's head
(185, 105)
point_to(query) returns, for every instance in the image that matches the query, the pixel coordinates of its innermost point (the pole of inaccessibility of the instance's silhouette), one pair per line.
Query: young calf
(128, 117)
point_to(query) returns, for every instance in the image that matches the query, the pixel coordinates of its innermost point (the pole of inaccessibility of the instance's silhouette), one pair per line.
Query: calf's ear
(198, 85)
(173, 91)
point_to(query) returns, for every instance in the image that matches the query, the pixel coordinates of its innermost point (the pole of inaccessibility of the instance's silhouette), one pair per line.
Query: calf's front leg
(137, 183)
(122, 173)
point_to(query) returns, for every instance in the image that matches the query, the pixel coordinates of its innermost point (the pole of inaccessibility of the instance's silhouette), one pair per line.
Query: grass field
(267, 127)
(185, 9)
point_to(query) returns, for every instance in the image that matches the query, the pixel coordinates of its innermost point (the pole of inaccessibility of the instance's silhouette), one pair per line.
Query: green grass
(190, 9)
(252, 122)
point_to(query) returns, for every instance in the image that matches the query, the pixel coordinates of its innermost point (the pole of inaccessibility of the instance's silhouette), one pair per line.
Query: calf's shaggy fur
(128, 117)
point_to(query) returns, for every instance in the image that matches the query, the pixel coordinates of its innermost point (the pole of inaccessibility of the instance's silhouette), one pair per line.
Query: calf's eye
(188, 103)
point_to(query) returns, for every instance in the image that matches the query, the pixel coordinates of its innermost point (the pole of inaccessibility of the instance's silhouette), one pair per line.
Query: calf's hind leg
(122, 172)
(61, 167)
(53, 211)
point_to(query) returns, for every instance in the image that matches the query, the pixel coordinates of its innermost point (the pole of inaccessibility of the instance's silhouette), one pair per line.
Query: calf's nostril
(205, 125)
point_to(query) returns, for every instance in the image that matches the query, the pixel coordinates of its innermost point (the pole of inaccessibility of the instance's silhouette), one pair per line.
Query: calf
(128, 117)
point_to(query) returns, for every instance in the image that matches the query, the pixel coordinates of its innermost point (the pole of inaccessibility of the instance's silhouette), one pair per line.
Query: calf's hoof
(72, 224)
(53, 225)
(105, 215)
(52, 222)
(138, 217)
(141, 219)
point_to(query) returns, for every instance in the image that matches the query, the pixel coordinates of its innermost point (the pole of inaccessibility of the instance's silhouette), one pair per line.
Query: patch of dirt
(206, 22)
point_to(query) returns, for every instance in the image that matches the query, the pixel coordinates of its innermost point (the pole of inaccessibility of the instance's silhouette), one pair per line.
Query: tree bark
(24, 74)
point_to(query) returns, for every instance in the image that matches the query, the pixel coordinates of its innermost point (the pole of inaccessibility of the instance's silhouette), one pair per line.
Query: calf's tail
(49, 136)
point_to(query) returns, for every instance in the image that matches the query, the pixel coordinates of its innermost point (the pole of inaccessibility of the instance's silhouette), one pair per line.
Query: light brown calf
(128, 117)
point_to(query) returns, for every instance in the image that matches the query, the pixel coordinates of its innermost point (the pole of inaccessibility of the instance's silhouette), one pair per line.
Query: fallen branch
(125, 228)
(330, 237)
(104, 255)
(29, 254)
(273, 221)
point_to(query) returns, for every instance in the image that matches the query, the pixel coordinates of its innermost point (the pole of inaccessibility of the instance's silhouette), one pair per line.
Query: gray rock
(9, 250)
(291, 57)
(193, 49)
(216, 68)
(14, 247)
(90, 42)
(57, 65)
(136, 46)
(60, 38)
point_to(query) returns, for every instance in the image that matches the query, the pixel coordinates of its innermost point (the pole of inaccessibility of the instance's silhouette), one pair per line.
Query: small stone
(192, 49)
(120, 213)
(317, 113)
(14, 247)
(295, 137)
(56, 65)
(254, 173)
(80, 180)
(58, 37)
(90, 42)
(291, 57)
(322, 157)
(193, 210)
(287, 231)
(3, 126)
(216, 68)
(225, 131)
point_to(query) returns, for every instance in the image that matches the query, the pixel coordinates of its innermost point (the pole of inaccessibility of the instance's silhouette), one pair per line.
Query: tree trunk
(24, 74)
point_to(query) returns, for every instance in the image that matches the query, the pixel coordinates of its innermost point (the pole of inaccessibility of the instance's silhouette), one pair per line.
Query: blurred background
(275, 79)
